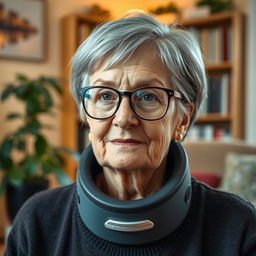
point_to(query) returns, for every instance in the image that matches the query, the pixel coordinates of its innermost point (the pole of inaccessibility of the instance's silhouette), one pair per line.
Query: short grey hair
(119, 39)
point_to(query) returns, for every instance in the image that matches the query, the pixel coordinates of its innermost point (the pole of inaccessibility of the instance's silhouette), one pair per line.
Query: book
(229, 43)
(211, 47)
(204, 42)
(224, 42)
(209, 132)
(217, 45)
(225, 94)
(214, 95)
(218, 100)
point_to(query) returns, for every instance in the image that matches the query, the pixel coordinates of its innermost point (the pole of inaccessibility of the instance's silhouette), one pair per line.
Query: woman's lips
(126, 142)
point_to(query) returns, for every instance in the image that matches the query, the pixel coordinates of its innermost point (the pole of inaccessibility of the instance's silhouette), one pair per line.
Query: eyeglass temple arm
(177, 95)
(81, 93)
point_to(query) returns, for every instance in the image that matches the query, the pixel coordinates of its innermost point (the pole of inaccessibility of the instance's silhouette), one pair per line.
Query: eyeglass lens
(148, 103)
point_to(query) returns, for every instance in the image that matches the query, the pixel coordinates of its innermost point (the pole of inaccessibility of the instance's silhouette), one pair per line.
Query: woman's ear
(183, 123)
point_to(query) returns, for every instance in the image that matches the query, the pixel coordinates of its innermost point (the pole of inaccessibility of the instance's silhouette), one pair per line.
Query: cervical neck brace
(135, 221)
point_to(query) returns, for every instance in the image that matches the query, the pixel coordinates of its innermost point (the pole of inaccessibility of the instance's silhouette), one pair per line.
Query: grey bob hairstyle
(119, 39)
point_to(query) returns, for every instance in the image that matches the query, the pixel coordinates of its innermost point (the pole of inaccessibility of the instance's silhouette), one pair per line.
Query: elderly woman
(138, 85)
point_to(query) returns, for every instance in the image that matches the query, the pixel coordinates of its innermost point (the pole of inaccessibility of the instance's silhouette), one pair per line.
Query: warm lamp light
(133, 12)
(136, 11)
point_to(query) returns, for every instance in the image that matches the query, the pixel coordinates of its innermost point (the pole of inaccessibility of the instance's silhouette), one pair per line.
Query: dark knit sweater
(217, 224)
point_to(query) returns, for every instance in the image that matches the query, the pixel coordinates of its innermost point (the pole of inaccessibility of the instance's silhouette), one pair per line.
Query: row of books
(209, 132)
(215, 42)
(218, 98)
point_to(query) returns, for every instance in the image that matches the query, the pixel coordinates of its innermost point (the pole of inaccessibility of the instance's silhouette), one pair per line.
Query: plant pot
(17, 195)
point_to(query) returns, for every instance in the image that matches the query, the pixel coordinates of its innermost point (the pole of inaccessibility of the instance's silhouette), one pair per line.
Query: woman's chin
(125, 161)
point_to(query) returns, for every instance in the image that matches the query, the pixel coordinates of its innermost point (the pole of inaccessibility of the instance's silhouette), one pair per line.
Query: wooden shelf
(212, 20)
(225, 66)
(91, 19)
(214, 118)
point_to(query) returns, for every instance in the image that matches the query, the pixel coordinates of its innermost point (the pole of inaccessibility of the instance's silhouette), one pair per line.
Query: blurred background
(38, 38)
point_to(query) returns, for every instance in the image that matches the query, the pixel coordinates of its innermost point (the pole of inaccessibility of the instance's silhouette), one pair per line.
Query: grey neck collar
(135, 221)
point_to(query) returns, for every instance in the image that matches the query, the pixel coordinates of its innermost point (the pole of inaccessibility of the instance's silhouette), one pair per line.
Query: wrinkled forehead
(146, 53)
(142, 67)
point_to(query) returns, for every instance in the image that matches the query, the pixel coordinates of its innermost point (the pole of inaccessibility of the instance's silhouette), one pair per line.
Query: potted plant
(168, 8)
(26, 157)
(216, 5)
(166, 14)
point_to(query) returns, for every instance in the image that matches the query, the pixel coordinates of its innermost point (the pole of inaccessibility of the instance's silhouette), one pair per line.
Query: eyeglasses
(148, 103)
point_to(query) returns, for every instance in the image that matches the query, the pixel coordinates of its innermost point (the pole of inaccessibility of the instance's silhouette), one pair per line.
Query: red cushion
(211, 179)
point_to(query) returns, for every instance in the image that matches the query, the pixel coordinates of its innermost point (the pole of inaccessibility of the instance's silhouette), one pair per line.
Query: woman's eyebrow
(105, 82)
(136, 84)
(148, 82)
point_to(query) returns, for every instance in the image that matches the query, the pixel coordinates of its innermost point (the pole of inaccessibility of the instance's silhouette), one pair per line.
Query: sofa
(229, 166)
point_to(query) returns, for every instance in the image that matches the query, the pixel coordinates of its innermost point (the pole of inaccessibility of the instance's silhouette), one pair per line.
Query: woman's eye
(106, 96)
(149, 97)
(146, 96)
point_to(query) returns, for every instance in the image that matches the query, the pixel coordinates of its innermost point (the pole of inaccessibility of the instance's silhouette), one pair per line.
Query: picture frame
(22, 30)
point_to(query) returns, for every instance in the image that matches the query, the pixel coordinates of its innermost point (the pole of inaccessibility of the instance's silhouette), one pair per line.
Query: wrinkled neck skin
(131, 184)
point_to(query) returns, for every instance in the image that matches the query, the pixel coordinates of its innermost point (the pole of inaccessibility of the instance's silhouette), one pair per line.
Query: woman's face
(125, 141)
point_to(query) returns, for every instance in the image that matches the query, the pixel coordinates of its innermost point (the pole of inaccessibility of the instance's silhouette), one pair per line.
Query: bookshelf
(76, 27)
(221, 37)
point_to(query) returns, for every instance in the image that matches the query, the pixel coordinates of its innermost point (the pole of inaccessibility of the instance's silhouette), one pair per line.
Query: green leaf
(62, 177)
(13, 116)
(23, 90)
(33, 126)
(21, 145)
(6, 147)
(15, 177)
(10, 89)
(40, 145)
(33, 107)
(47, 167)
(30, 166)
(47, 98)
(21, 78)
(5, 163)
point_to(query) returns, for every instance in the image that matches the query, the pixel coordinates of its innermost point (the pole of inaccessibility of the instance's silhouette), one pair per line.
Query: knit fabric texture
(217, 224)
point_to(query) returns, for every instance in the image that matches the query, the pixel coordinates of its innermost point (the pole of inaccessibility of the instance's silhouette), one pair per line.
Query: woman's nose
(125, 117)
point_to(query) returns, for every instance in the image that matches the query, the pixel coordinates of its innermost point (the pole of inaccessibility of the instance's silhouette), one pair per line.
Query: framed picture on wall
(22, 29)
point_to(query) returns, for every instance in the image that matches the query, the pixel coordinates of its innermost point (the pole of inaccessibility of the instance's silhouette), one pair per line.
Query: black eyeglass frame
(170, 93)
